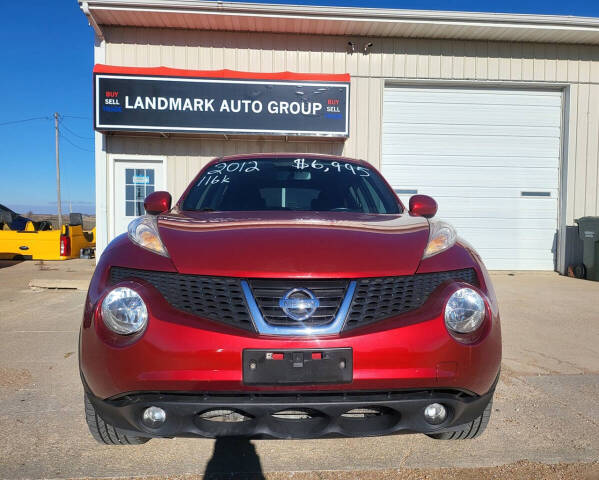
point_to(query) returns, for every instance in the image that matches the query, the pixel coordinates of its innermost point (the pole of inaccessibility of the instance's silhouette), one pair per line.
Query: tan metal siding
(576, 67)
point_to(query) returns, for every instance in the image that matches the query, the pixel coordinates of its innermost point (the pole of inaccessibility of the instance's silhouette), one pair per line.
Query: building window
(139, 183)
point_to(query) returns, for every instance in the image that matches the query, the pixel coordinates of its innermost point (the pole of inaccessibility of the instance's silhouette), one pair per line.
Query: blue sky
(47, 60)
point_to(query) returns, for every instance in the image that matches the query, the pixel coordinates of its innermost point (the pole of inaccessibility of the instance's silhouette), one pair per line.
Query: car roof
(253, 156)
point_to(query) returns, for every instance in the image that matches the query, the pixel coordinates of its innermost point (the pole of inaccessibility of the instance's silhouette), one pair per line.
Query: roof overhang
(349, 21)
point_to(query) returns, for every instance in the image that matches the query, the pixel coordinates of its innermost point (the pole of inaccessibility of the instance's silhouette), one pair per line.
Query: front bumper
(305, 415)
(182, 353)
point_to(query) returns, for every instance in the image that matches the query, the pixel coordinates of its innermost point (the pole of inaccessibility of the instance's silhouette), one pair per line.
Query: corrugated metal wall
(575, 66)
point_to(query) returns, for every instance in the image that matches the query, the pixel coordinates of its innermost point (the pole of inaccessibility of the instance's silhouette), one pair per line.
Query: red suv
(288, 296)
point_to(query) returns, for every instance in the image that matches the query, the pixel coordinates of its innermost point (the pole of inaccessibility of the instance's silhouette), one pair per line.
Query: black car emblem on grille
(299, 304)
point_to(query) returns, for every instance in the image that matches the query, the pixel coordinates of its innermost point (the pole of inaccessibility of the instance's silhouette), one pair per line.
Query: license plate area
(297, 367)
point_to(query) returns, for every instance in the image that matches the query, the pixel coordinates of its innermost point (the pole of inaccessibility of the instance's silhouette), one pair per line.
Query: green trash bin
(588, 229)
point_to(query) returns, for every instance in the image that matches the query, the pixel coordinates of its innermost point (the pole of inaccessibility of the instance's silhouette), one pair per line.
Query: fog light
(435, 413)
(153, 417)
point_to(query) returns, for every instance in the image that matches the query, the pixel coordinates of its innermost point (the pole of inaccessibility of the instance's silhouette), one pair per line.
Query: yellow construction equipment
(32, 244)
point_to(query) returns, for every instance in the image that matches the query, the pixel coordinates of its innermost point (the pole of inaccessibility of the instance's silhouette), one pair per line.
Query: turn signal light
(442, 236)
(143, 231)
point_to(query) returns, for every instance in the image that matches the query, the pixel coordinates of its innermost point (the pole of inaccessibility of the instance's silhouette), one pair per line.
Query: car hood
(294, 244)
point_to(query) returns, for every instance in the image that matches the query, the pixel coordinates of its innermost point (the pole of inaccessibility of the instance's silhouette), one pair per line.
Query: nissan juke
(288, 296)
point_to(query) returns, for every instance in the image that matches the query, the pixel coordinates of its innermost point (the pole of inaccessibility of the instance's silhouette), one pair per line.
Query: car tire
(470, 430)
(104, 432)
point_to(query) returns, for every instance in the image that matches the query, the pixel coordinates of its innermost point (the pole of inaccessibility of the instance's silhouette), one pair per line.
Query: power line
(76, 134)
(63, 136)
(12, 122)
(79, 117)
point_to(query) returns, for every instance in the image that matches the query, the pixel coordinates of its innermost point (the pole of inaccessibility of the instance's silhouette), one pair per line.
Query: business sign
(285, 104)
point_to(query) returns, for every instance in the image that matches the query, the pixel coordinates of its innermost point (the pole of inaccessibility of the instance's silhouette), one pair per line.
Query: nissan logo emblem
(299, 304)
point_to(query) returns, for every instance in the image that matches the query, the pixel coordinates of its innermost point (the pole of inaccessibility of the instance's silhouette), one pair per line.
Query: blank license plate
(295, 367)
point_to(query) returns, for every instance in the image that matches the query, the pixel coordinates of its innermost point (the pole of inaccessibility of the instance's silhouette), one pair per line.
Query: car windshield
(301, 184)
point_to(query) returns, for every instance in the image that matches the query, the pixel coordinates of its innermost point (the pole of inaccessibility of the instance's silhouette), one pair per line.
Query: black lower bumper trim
(305, 415)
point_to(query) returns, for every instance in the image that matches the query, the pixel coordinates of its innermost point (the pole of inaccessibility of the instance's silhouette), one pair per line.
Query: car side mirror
(423, 206)
(158, 202)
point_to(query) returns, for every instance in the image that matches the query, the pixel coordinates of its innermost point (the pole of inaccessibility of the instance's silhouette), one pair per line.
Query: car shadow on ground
(9, 263)
(234, 458)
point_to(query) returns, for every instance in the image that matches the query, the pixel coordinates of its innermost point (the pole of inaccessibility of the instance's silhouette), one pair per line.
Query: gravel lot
(544, 423)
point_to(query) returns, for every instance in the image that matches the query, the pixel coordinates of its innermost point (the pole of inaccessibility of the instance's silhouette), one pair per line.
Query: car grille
(379, 298)
(215, 298)
(221, 298)
(267, 294)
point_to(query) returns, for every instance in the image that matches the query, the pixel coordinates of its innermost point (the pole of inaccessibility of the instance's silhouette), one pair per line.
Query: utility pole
(57, 172)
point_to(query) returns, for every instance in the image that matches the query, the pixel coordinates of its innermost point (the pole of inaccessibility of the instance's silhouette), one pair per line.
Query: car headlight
(464, 311)
(441, 237)
(124, 311)
(143, 231)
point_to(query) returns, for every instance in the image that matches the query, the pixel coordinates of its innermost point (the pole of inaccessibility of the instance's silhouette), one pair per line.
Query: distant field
(89, 221)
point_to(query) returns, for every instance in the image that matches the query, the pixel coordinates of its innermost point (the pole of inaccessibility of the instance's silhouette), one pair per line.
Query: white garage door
(490, 157)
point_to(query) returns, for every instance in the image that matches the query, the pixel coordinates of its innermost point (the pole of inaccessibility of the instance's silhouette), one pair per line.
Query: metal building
(494, 115)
